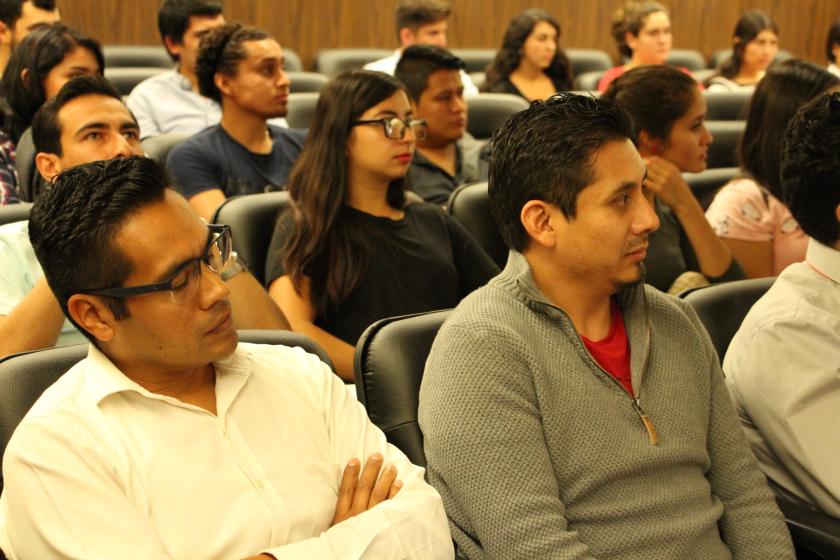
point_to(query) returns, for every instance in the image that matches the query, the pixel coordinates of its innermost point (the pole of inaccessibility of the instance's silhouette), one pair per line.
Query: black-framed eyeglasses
(184, 281)
(395, 127)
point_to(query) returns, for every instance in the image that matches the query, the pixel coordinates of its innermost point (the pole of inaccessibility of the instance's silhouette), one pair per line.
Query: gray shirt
(434, 184)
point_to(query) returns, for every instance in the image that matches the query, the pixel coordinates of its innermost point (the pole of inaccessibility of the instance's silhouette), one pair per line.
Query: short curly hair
(220, 51)
(810, 173)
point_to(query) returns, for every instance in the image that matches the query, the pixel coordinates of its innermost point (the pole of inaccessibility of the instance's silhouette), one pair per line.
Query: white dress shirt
(388, 65)
(783, 371)
(101, 468)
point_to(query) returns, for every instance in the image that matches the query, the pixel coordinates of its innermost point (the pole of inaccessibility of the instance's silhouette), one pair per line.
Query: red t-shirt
(613, 352)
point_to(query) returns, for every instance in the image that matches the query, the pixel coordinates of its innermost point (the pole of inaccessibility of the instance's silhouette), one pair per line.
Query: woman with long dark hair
(755, 44)
(748, 212)
(530, 63)
(44, 61)
(668, 111)
(353, 250)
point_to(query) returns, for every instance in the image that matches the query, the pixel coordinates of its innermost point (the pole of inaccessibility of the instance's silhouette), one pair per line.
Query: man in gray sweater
(569, 411)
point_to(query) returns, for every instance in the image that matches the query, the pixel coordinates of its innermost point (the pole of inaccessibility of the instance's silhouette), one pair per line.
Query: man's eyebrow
(623, 187)
(170, 272)
(91, 126)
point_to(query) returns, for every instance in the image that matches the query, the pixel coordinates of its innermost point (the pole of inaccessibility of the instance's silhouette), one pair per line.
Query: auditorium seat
(389, 362)
(158, 147)
(155, 56)
(703, 74)
(719, 57)
(587, 81)
(722, 307)
(23, 377)
(251, 218)
(815, 534)
(478, 79)
(476, 60)
(306, 82)
(686, 58)
(487, 111)
(10, 213)
(706, 184)
(723, 151)
(470, 205)
(291, 61)
(727, 105)
(125, 78)
(334, 61)
(588, 60)
(301, 109)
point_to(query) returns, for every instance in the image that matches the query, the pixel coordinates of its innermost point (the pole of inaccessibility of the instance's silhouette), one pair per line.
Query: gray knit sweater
(539, 453)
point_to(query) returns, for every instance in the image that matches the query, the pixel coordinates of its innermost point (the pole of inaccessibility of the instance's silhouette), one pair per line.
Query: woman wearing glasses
(352, 249)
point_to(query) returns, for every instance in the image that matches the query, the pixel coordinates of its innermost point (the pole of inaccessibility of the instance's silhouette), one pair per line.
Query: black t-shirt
(213, 160)
(424, 262)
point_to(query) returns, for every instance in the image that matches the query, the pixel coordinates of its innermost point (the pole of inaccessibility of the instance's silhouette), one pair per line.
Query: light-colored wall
(310, 25)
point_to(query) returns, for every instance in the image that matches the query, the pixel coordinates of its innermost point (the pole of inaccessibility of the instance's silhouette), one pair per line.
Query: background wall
(310, 25)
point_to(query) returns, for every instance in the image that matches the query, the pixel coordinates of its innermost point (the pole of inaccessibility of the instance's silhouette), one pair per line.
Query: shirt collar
(104, 378)
(824, 259)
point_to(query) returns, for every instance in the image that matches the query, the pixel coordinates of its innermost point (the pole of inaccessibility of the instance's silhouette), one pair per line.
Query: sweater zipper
(634, 399)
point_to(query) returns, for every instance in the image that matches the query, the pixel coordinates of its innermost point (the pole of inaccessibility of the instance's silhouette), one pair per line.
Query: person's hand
(665, 181)
(357, 494)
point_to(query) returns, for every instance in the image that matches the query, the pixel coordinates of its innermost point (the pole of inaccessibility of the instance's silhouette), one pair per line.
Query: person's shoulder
(290, 364)
(201, 145)
(14, 230)
(286, 136)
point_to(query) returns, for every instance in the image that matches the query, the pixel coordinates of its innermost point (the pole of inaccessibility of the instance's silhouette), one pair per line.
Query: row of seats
(333, 61)
(389, 363)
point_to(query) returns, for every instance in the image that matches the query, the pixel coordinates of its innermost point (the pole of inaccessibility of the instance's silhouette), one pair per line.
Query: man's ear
(406, 37)
(222, 82)
(48, 165)
(631, 40)
(91, 313)
(648, 144)
(536, 218)
(5, 34)
(173, 47)
(837, 212)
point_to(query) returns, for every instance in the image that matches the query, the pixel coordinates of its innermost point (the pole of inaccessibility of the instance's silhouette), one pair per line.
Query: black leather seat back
(334, 61)
(389, 362)
(126, 78)
(722, 307)
(470, 205)
(475, 60)
(588, 60)
(706, 184)
(813, 532)
(723, 151)
(727, 105)
(306, 82)
(301, 108)
(10, 213)
(686, 58)
(486, 112)
(120, 56)
(252, 218)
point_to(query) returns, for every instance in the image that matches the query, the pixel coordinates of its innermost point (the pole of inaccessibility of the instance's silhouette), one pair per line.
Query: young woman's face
(653, 43)
(370, 152)
(688, 144)
(760, 52)
(540, 46)
(78, 62)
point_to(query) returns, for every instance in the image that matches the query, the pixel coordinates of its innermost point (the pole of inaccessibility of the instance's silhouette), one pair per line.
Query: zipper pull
(654, 438)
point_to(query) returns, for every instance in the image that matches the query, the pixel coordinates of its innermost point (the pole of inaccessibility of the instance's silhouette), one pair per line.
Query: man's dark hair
(418, 62)
(810, 173)
(46, 129)
(414, 14)
(73, 225)
(174, 17)
(221, 50)
(11, 10)
(546, 153)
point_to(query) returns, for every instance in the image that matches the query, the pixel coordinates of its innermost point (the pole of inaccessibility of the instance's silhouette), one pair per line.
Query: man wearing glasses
(173, 440)
(241, 68)
(86, 121)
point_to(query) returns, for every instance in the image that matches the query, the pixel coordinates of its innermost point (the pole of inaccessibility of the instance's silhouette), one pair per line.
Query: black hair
(810, 169)
(23, 79)
(748, 27)
(220, 51)
(631, 19)
(174, 17)
(46, 129)
(11, 10)
(73, 224)
(414, 14)
(786, 87)
(508, 57)
(418, 62)
(832, 39)
(655, 96)
(330, 245)
(546, 153)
